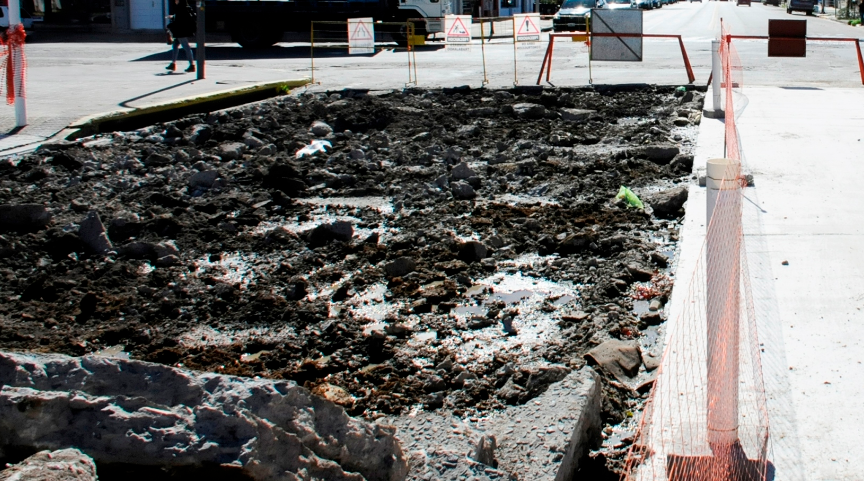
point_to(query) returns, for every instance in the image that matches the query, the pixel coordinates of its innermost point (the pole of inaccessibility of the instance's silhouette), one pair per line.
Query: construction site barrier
(334, 36)
(547, 59)
(729, 38)
(707, 418)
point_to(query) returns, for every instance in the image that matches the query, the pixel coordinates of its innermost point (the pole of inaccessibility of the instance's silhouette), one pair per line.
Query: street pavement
(801, 128)
(802, 238)
(69, 79)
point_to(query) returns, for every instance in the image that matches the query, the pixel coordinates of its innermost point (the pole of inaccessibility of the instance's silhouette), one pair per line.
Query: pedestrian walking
(181, 27)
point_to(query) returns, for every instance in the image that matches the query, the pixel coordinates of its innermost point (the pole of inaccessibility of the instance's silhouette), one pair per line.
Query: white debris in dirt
(235, 268)
(384, 205)
(369, 304)
(533, 326)
(205, 336)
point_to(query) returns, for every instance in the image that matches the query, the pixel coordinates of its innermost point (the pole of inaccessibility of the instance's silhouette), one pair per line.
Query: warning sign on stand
(361, 36)
(458, 29)
(527, 27)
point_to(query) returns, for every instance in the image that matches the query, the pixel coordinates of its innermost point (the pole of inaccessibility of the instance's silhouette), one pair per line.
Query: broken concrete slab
(542, 440)
(576, 115)
(151, 414)
(620, 358)
(668, 204)
(93, 235)
(61, 465)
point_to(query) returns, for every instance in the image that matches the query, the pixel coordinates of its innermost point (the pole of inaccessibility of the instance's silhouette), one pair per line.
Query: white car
(4, 18)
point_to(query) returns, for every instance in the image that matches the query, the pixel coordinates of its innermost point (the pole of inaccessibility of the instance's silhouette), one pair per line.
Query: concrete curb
(128, 119)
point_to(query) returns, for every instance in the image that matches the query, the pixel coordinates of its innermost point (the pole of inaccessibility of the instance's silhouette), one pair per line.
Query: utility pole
(199, 40)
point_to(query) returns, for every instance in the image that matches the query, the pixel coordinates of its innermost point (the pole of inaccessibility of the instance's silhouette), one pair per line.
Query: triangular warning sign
(528, 27)
(361, 32)
(458, 29)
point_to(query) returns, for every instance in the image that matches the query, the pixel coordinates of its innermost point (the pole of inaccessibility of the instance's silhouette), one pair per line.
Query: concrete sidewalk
(804, 148)
(61, 91)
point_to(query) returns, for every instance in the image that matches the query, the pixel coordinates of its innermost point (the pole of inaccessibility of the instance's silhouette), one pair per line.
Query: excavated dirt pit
(454, 251)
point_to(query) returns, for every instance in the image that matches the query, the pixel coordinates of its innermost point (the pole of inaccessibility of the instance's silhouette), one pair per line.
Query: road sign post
(361, 36)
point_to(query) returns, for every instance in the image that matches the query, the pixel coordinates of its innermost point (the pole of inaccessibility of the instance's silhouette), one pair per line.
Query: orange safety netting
(12, 60)
(707, 417)
(733, 83)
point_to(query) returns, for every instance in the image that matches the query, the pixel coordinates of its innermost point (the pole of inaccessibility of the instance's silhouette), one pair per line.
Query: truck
(262, 23)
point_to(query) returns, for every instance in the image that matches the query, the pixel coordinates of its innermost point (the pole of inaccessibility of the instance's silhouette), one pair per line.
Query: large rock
(462, 191)
(339, 230)
(320, 129)
(24, 217)
(620, 358)
(123, 411)
(92, 234)
(668, 204)
(461, 171)
(62, 465)
(576, 115)
(659, 154)
(399, 267)
(472, 251)
(529, 111)
(203, 180)
(232, 150)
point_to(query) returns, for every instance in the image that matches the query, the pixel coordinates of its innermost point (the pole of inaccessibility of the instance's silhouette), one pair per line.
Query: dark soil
(252, 275)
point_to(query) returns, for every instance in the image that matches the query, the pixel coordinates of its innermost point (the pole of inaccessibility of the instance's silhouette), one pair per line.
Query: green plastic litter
(630, 197)
(681, 89)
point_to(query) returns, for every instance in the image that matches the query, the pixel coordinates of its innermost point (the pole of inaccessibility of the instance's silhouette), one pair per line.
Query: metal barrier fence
(338, 38)
(489, 35)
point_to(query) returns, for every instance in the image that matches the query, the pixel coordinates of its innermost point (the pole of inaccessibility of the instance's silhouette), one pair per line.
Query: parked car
(573, 15)
(805, 6)
(26, 20)
(644, 4)
(691, 1)
(619, 4)
(776, 3)
(743, 2)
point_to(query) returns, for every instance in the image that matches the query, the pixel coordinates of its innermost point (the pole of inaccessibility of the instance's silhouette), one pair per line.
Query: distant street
(70, 79)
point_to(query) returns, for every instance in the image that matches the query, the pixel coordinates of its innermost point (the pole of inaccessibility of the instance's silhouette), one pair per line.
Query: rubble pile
(450, 250)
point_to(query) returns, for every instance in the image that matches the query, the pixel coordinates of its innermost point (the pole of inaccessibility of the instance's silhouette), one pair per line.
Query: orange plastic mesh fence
(12, 61)
(733, 83)
(706, 417)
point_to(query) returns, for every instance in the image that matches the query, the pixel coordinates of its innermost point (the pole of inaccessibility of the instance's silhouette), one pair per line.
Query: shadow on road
(126, 102)
(278, 51)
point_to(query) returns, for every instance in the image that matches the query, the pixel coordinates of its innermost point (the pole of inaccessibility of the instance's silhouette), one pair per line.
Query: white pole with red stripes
(17, 66)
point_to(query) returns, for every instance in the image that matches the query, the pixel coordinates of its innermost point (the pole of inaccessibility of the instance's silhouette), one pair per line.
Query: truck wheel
(789, 11)
(251, 35)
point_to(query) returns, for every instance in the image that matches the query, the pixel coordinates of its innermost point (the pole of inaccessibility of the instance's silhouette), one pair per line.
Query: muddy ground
(456, 250)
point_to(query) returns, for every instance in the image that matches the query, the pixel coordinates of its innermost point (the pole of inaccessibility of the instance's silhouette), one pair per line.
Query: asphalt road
(71, 79)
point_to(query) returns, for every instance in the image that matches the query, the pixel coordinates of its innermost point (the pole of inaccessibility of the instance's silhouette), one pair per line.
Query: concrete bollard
(716, 110)
(723, 263)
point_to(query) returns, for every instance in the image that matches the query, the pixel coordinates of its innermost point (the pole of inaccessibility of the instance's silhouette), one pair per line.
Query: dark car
(805, 6)
(743, 2)
(573, 15)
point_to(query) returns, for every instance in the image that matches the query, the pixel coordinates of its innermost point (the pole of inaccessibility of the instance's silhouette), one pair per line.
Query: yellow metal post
(515, 66)
(483, 50)
(312, 50)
